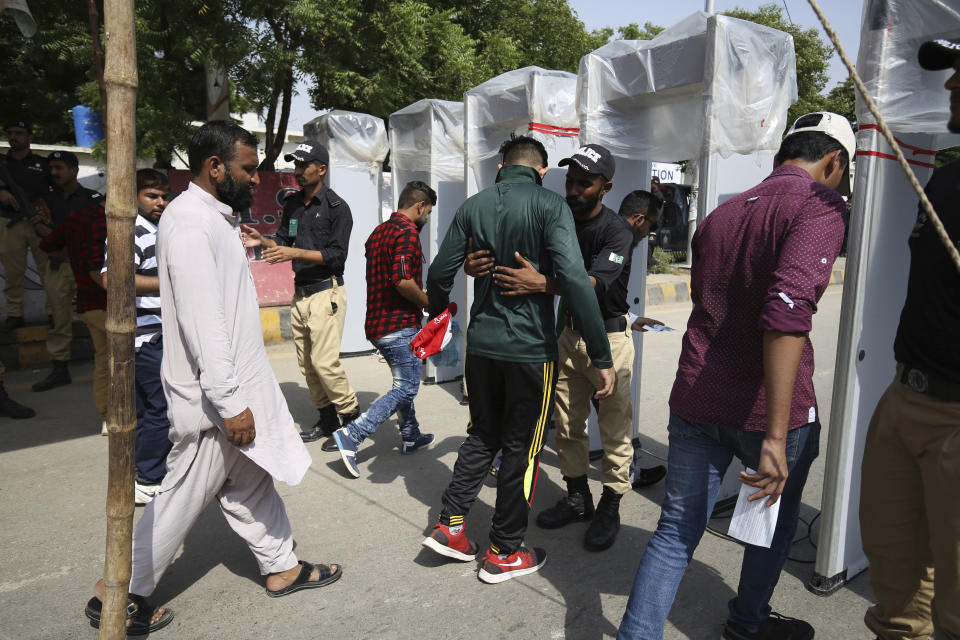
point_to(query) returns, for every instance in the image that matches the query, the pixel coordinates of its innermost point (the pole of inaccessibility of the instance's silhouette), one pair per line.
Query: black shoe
(647, 477)
(347, 418)
(59, 377)
(9, 408)
(329, 445)
(606, 523)
(326, 424)
(776, 627)
(573, 507)
(11, 323)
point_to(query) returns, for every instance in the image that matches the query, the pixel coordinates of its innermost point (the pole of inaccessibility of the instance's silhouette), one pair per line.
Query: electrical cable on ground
(924, 201)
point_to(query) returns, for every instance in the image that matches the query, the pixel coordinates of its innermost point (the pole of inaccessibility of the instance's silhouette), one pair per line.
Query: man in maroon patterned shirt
(744, 384)
(395, 303)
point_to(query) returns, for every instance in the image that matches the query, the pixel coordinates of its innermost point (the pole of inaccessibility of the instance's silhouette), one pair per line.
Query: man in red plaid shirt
(84, 234)
(395, 303)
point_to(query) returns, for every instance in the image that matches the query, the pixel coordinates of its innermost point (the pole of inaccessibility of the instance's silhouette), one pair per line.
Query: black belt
(612, 325)
(926, 383)
(317, 287)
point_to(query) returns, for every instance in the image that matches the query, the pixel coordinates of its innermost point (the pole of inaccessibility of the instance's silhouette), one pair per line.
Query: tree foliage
(373, 56)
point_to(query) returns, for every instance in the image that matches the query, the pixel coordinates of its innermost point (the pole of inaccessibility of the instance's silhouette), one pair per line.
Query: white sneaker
(144, 493)
(103, 429)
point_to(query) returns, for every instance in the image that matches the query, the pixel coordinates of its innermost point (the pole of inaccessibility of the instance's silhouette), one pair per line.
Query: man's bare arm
(781, 359)
(412, 293)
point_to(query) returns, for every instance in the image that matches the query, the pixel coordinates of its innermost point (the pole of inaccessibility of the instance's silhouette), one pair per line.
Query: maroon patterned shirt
(761, 261)
(83, 234)
(393, 254)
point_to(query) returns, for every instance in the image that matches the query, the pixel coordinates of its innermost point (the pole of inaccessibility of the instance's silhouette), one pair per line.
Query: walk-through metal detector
(426, 143)
(357, 143)
(916, 108)
(709, 85)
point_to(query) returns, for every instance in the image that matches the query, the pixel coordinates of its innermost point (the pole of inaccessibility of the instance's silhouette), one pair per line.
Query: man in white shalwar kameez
(231, 430)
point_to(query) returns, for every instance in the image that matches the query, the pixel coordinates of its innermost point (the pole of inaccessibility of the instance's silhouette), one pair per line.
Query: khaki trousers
(96, 322)
(910, 516)
(60, 288)
(576, 385)
(248, 500)
(317, 325)
(14, 242)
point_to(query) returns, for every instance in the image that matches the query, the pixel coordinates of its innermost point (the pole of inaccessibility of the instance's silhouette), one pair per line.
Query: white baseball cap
(835, 126)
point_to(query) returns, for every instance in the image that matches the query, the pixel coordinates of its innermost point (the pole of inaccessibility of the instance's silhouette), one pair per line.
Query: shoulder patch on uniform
(615, 257)
(333, 199)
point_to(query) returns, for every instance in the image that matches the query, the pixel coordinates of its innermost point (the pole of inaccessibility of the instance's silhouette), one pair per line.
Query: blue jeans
(153, 428)
(406, 368)
(698, 458)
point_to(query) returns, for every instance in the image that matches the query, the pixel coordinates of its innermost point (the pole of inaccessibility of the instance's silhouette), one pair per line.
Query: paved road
(53, 487)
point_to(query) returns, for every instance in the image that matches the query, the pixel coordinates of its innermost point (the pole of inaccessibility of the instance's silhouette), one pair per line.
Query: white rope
(924, 201)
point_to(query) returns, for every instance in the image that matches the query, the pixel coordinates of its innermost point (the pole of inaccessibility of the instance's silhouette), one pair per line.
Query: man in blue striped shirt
(152, 439)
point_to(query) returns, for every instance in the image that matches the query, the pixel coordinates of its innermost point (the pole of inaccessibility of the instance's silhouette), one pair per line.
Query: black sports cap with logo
(23, 124)
(65, 157)
(593, 158)
(937, 55)
(309, 151)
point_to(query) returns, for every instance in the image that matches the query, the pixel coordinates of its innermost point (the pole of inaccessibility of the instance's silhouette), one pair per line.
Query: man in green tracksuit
(511, 353)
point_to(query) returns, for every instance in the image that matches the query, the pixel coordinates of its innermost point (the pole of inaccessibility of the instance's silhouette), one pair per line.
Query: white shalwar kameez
(215, 366)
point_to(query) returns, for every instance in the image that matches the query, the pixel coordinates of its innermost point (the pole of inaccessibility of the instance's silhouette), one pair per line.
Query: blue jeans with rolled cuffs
(698, 458)
(406, 369)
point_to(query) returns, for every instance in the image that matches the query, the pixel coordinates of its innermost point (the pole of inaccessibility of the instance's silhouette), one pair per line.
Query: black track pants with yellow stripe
(510, 403)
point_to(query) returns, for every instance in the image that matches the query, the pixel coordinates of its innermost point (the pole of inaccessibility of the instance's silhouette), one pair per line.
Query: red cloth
(435, 335)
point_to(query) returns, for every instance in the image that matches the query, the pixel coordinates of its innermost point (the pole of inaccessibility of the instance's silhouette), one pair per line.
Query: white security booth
(357, 143)
(529, 101)
(709, 86)
(915, 106)
(426, 144)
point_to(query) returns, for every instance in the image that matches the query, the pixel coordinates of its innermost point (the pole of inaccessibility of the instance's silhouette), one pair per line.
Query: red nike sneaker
(501, 567)
(451, 542)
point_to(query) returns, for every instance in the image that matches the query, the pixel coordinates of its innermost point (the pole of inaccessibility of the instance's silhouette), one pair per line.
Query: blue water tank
(87, 125)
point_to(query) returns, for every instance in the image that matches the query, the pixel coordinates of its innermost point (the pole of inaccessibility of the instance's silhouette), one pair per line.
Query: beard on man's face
(229, 191)
(582, 206)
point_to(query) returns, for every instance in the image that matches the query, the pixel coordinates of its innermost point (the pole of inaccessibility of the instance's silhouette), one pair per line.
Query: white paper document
(657, 328)
(753, 522)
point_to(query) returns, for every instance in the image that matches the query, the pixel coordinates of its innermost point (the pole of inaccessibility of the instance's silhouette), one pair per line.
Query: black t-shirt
(30, 175)
(606, 243)
(929, 333)
(62, 208)
(324, 224)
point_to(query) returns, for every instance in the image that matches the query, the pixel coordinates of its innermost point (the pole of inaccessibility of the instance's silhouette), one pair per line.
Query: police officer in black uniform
(25, 185)
(66, 197)
(314, 234)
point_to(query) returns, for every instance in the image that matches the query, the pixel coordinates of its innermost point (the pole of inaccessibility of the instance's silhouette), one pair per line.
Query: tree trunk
(275, 141)
(268, 160)
(97, 54)
(120, 76)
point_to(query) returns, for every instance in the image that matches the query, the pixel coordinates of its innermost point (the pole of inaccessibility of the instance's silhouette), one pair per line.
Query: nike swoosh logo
(515, 563)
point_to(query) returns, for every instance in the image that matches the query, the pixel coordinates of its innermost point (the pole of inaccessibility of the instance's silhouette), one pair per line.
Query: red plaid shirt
(393, 254)
(83, 234)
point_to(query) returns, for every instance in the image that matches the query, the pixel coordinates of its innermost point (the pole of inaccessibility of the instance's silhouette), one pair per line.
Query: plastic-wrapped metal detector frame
(354, 140)
(428, 136)
(893, 31)
(648, 99)
(529, 101)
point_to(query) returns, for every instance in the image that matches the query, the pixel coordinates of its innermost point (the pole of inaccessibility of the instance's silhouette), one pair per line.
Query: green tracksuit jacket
(517, 214)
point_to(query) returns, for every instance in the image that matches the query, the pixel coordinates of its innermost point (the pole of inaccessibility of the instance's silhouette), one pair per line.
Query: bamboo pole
(120, 76)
